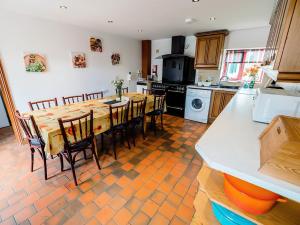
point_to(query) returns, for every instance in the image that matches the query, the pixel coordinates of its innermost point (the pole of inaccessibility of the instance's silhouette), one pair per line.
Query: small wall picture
(115, 59)
(78, 60)
(95, 44)
(35, 62)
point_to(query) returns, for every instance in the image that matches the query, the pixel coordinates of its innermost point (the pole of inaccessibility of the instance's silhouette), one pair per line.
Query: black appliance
(178, 71)
(175, 97)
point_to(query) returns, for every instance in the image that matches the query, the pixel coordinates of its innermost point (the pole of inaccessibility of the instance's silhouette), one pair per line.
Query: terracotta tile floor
(153, 183)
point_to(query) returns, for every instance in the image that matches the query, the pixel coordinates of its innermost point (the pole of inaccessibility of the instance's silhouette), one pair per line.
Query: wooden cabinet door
(216, 102)
(213, 51)
(227, 96)
(290, 60)
(201, 47)
(219, 101)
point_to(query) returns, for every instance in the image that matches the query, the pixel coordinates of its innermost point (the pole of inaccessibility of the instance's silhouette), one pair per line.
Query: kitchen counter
(231, 145)
(212, 88)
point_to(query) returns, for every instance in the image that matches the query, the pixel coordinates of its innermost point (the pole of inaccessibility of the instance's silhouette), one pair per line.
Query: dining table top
(47, 119)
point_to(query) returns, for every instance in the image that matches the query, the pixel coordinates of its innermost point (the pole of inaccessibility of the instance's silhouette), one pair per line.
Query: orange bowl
(246, 202)
(251, 189)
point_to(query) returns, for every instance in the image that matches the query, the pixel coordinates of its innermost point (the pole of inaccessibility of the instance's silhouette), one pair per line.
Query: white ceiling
(157, 18)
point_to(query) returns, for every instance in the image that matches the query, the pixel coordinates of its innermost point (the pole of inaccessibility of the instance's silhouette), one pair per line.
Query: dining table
(47, 119)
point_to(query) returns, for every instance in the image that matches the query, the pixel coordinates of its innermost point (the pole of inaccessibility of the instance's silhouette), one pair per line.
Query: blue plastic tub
(226, 217)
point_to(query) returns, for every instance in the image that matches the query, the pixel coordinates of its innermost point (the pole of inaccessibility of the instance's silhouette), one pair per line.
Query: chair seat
(155, 113)
(35, 143)
(81, 145)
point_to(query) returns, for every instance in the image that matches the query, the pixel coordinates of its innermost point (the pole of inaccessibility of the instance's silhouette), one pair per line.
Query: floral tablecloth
(47, 119)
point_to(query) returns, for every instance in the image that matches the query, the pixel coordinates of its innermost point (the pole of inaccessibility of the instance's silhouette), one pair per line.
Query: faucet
(220, 80)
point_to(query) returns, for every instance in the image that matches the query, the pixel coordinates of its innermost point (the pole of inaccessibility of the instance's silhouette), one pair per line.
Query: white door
(4, 122)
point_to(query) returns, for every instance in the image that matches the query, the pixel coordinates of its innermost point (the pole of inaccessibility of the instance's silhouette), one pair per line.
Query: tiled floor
(153, 183)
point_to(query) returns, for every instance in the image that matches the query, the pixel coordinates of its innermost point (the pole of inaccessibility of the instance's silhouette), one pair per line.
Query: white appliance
(273, 102)
(197, 104)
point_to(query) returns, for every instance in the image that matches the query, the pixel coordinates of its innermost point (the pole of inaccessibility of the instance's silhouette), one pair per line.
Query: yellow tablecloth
(47, 119)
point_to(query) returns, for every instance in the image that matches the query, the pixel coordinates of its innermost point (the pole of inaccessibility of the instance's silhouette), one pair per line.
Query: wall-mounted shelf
(211, 182)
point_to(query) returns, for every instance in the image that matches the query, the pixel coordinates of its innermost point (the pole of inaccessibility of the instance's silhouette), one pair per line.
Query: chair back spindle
(147, 91)
(96, 95)
(118, 114)
(77, 130)
(124, 90)
(73, 99)
(43, 104)
(159, 103)
(138, 108)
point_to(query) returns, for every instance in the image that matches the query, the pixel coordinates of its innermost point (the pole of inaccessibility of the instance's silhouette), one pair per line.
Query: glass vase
(119, 94)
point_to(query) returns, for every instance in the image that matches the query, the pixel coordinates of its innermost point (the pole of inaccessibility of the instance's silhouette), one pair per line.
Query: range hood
(177, 49)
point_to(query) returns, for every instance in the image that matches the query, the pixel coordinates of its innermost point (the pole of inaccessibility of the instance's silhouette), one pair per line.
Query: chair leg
(45, 163)
(133, 135)
(127, 137)
(102, 142)
(73, 169)
(95, 156)
(161, 121)
(154, 124)
(143, 129)
(84, 154)
(61, 158)
(32, 159)
(114, 144)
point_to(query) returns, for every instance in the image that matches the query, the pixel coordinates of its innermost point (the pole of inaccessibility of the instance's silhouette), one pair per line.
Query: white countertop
(212, 88)
(231, 145)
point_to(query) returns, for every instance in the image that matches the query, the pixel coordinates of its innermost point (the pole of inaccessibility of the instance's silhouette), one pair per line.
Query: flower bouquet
(251, 74)
(118, 83)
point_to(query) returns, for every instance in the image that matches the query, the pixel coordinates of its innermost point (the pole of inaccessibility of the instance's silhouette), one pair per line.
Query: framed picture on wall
(96, 44)
(78, 59)
(115, 59)
(35, 62)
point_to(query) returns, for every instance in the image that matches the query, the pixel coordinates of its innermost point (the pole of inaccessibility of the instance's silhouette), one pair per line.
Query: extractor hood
(177, 49)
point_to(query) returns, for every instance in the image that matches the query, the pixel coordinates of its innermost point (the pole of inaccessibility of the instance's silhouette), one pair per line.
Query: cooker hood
(177, 49)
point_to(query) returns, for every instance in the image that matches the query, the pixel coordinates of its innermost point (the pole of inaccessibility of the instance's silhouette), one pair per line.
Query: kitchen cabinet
(146, 58)
(282, 49)
(209, 47)
(219, 101)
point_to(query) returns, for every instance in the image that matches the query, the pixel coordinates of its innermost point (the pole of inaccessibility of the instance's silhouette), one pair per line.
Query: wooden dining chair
(43, 104)
(73, 99)
(158, 111)
(147, 91)
(34, 139)
(96, 95)
(124, 90)
(78, 136)
(118, 116)
(137, 116)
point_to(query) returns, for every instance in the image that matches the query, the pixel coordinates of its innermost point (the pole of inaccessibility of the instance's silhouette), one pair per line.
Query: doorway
(8, 107)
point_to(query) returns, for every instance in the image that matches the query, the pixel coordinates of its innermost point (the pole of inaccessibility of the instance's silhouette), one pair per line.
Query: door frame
(9, 104)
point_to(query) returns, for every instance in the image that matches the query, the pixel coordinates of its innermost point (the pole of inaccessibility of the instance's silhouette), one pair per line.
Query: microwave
(273, 102)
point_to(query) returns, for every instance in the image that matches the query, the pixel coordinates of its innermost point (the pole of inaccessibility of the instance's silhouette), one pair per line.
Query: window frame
(239, 78)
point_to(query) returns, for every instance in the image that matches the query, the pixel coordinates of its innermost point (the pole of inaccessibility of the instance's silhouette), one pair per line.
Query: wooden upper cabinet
(284, 38)
(146, 58)
(290, 61)
(209, 47)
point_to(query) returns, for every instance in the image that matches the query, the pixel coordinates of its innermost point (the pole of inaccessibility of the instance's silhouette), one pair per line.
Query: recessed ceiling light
(110, 21)
(63, 7)
(212, 18)
(140, 30)
(190, 20)
(195, 0)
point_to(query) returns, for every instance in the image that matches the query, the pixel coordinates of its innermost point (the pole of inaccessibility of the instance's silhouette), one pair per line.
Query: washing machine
(197, 104)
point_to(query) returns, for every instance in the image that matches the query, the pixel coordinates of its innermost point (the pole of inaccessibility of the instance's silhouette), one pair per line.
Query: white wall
(248, 38)
(4, 122)
(56, 41)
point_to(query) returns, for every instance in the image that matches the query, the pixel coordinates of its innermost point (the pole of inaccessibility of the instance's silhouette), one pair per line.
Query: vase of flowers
(251, 74)
(118, 83)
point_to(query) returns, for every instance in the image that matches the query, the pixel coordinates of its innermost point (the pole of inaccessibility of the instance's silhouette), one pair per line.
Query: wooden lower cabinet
(219, 101)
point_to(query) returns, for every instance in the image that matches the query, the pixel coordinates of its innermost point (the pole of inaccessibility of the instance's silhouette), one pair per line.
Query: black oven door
(175, 101)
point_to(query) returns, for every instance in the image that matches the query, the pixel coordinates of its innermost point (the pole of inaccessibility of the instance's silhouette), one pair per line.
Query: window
(236, 63)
